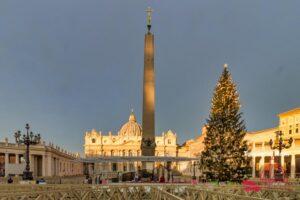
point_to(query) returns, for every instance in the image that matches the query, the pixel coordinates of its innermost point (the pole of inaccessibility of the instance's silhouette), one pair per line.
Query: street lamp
(27, 139)
(281, 145)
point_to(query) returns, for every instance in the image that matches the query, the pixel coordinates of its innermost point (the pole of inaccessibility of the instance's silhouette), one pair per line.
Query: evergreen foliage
(224, 157)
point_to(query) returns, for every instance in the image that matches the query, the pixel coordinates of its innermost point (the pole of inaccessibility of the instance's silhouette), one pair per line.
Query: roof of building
(289, 112)
(263, 130)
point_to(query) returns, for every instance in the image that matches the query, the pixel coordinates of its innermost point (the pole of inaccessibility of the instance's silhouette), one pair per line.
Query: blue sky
(69, 66)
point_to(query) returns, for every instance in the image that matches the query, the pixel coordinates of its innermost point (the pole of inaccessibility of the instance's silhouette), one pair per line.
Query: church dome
(131, 128)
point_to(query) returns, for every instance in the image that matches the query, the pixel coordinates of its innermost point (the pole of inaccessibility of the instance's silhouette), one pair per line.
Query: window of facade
(297, 130)
(93, 140)
(290, 131)
(267, 145)
(123, 153)
(169, 141)
(114, 167)
(130, 153)
(112, 153)
(258, 145)
(11, 158)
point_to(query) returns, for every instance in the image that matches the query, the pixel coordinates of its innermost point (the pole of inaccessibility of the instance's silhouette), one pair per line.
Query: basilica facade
(126, 142)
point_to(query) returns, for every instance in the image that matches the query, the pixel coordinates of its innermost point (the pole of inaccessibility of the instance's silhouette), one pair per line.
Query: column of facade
(253, 167)
(59, 167)
(66, 167)
(53, 166)
(17, 158)
(6, 163)
(135, 166)
(261, 166)
(282, 162)
(50, 166)
(293, 165)
(272, 167)
(69, 167)
(44, 167)
(31, 160)
(128, 166)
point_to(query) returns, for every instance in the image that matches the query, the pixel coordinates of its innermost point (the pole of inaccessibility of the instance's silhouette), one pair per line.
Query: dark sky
(67, 66)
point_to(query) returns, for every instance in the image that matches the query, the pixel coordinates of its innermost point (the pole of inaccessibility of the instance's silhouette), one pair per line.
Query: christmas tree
(225, 155)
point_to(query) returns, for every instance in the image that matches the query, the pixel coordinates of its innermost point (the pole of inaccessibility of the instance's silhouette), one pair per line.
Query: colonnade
(264, 166)
(40, 165)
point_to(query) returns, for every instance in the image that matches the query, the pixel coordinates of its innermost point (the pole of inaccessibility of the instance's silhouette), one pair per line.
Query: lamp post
(27, 139)
(280, 146)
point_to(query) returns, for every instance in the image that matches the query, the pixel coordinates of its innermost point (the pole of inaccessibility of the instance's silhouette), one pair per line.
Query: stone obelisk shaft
(148, 147)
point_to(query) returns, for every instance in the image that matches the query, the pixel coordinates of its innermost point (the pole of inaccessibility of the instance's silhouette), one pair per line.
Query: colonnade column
(57, 167)
(261, 166)
(50, 166)
(17, 158)
(32, 162)
(293, 165)
(44, 165)
(253, 167)
(282, 161)
(272, 167)
(6, 163)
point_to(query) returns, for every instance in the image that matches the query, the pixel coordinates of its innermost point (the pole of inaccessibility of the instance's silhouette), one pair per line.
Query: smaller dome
(131, 128)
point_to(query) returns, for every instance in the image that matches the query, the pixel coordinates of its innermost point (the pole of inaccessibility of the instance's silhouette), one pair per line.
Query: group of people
(40, 181)
(137, 177)
(97, 180)
(10, 180)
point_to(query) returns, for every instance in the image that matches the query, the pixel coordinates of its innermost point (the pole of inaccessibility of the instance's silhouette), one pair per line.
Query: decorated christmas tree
(225, 155)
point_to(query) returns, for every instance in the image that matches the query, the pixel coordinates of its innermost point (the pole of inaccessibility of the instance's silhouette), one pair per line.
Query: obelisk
(148, 125)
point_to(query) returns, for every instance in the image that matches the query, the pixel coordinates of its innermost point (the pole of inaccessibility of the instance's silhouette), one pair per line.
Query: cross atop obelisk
(149, 17)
